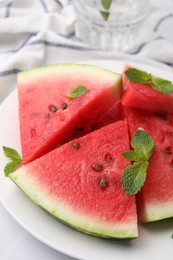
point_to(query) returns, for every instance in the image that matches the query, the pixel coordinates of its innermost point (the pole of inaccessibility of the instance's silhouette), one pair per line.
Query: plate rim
(102, 63)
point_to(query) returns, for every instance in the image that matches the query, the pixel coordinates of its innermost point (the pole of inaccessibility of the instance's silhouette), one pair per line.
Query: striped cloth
(41, 32)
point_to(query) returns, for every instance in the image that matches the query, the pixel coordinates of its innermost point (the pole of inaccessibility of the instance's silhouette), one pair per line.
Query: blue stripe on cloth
(9, 72)
(61, 45)
(44, 6)
(7, 11)
(21, 46)
(146, 43)
(162, 20)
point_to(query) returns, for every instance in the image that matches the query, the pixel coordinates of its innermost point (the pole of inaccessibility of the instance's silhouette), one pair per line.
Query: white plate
(154, 240)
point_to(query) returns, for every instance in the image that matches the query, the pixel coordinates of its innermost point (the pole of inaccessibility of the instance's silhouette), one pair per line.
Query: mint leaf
(135, 174)
(162, 85)
(133, 156)
(106, 3)
(105, 14)
(11, 153)
(15, 158)
(77, 92)
(143, 144)
(11, 166)
(138, 76)
(134, 177)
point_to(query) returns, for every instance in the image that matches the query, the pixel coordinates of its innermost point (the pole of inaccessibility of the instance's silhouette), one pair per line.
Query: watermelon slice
(48, 117)
(145, 97)
(80, 183)
(155, 200)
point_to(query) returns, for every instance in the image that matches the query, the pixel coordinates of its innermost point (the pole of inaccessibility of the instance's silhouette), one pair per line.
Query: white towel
(41, 32)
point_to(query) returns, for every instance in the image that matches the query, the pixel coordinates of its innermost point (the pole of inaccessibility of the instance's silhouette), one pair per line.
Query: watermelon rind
(68, 216)
(155, 212)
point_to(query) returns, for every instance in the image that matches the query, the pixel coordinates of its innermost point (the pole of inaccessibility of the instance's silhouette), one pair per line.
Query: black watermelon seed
(108, 158)
(93, 127)
(53, 108)
(97, 167)
(168, 151)
(64, 106)
(104, 182)
(76, 145)
(80, 128)
(163, 116)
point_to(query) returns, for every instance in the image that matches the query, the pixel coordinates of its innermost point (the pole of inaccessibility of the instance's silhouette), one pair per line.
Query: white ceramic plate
(154, 240)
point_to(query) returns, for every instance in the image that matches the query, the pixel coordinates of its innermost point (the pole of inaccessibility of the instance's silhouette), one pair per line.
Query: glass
(115, 27)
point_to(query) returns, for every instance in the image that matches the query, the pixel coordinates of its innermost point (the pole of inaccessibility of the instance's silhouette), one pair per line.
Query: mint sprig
(106, 3)
(140, 76)
(15, 158)
(105, 14)
(77, 92)
(134, 175)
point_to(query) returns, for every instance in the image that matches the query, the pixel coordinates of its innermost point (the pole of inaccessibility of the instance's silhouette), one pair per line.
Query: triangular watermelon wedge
(155, 200)
(48, 117)
(143, 96)
(80, 183)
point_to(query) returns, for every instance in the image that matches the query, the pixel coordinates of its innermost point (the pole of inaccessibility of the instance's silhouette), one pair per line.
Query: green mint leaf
(162, 85)
(77, 92)
(134, 177)
(142, 143)
(15, 158)
(106, 3)
(11, 166)
(138, 76)
(105, 15)
(134, 156)
(11, 153)
(172, 236)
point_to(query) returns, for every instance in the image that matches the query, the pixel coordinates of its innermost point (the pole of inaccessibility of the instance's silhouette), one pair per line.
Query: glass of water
(110, 24)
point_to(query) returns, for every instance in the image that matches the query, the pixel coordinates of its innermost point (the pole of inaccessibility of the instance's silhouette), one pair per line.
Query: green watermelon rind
(62, 213)
(34, 72)
(159, 211)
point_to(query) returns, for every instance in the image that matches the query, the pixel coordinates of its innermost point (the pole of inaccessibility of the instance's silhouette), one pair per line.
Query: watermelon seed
(97, 167)
(64, 106)
(108, 158)
(76, 145)
(80, 128)
(93, 127)
(32, 132)
(53, 108)
(163, 116)
(168, 151)
(103, 182)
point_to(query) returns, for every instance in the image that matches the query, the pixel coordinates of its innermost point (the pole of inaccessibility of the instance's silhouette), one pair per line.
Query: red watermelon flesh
(155, 200)
(111, 116)
(80, 183)
(145, 97)
(48, 117)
